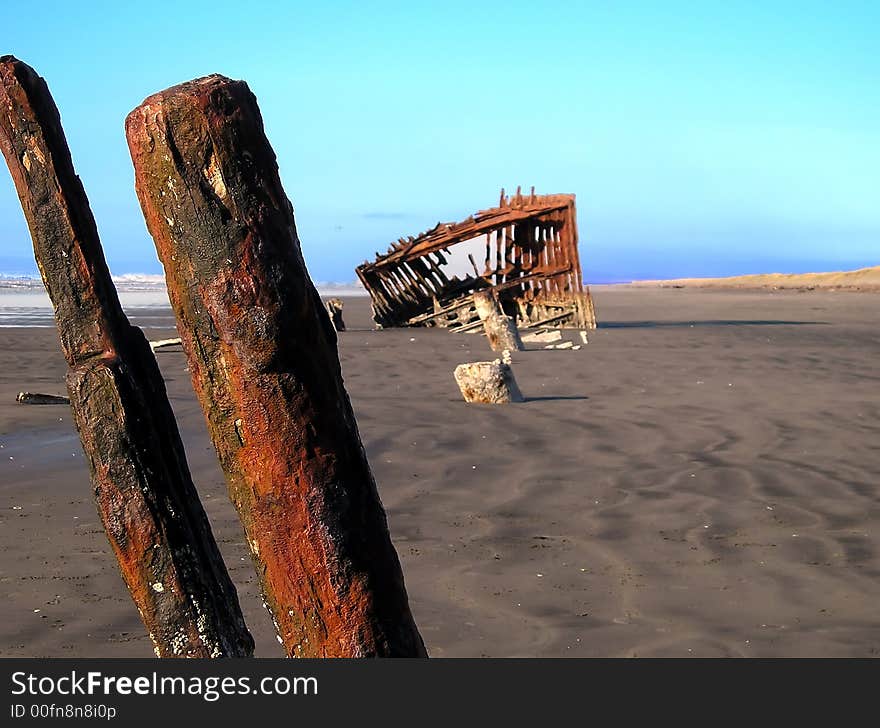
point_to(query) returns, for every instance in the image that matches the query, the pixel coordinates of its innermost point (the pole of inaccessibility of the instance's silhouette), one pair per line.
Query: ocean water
(24, 302)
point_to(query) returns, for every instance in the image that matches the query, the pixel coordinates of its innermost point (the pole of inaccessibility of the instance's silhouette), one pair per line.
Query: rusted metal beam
(264, 364)
(547, 320)
(443, 235)
(531, 254)
(145, 496)
(467, 328)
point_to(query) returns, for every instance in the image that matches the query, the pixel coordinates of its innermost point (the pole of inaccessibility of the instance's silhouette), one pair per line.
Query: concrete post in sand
(487, 382)
(501, 330)
(263, 359)
(145, 496)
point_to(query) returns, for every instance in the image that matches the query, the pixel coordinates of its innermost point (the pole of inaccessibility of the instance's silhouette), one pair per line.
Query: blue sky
(700, 138)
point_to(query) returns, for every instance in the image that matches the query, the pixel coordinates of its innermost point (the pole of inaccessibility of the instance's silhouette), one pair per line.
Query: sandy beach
(700, 480)
(863, 279)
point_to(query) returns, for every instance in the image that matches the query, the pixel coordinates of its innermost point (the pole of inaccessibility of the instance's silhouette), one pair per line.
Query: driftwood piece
(471, 328)
(334, 310)
(543, 337)
(145, 496)
(262, 355)
(163, 343)
(500, 330)
(488, 382)
(34, 398)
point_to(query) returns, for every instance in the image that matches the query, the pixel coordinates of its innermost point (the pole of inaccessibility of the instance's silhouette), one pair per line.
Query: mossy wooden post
(263, 359)
(143, 489)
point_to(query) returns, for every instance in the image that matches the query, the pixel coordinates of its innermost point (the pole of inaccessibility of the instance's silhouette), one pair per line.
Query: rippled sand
(702, 479)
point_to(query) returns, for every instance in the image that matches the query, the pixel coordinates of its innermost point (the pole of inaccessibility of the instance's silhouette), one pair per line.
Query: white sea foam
(24, 302)
(156, 282)
(145, 281)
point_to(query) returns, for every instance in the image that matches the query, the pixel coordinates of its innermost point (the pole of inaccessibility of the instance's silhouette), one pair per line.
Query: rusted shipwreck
(529, 250)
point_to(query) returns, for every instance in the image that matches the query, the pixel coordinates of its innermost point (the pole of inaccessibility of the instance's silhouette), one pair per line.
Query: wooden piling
(501, 330)
(334, 311)
(145, 496)
(263, 359)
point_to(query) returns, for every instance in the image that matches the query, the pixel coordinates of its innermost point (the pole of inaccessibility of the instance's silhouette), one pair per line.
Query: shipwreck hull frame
(531, 262)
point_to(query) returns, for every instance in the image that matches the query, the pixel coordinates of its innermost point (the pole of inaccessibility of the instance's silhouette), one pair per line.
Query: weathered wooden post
(334, 310)
(145, 496)
(262, 353)
(501, 330)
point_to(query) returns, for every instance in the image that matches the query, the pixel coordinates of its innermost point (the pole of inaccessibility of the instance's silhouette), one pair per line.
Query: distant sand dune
(865, 279)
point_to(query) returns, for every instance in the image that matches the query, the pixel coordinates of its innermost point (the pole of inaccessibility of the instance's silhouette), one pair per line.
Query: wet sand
(702, 479)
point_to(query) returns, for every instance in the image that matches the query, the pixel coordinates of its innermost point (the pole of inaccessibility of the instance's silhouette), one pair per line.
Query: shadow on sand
(526, 400)
(552, 398)
(692, 324)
